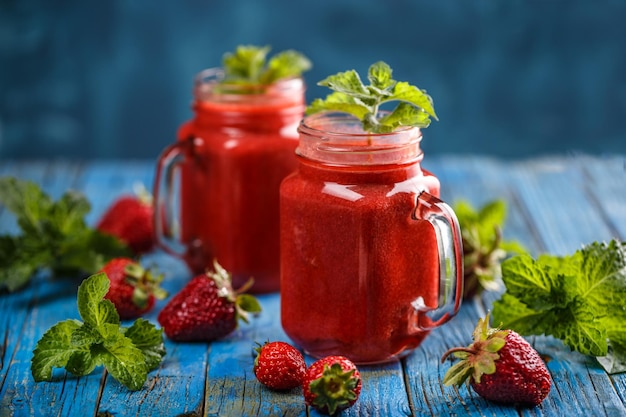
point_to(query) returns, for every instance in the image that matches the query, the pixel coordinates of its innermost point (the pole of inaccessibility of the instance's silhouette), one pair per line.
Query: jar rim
(339, 139)
(208, 86)
(313, 123)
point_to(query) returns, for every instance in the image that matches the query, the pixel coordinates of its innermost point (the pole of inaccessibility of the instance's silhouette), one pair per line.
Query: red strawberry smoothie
(354, 258)
(237, 150)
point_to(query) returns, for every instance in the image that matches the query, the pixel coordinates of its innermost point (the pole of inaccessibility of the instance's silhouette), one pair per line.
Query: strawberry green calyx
(249, 65)
(335, 389)
(362, 101)
(145, 283)
(479, 358)
(245, 304)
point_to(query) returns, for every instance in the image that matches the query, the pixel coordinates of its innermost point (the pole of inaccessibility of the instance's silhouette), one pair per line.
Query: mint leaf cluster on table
(249, 65)
(127, 353)
(54, 235)
(364, 101)
(579, 298)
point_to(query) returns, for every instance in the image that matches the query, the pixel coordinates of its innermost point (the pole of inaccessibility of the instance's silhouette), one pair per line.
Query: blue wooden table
(555, 204)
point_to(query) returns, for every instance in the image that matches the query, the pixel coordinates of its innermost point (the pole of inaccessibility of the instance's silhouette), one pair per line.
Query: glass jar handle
(450, 250)
(165, 217)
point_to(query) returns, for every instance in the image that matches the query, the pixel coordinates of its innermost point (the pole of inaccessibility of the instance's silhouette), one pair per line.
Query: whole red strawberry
(133, 289)
(279, 366)
(130, 219)
(502, 366)
(331, 384)
(207, 308)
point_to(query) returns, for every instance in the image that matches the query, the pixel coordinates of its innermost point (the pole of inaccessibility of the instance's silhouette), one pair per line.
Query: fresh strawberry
(502, 367)
(331, 384)
(207, 308)
(129, 218)
(279, 366)
(133, 289)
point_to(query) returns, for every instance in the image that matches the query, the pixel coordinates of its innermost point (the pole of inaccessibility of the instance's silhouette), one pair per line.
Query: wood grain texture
(554, 205)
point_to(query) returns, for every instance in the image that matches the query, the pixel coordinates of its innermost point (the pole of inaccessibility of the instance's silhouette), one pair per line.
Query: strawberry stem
(458, 349)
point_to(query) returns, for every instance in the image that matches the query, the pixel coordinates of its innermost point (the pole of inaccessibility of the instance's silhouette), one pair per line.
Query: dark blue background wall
(85, 79)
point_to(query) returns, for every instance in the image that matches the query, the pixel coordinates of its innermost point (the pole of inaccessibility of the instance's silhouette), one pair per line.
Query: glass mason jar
(371, 259)
(216, 188)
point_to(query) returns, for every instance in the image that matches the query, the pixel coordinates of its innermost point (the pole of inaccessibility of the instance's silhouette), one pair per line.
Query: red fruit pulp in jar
(355, 261)
(237, 150)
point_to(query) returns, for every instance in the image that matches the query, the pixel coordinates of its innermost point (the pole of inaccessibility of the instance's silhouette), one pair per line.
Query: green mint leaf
(348, 83)
(577, 298)
(124, 361)
(85, 335)
(379, 75)
(339, 102)
(68, 213)
(578, 328)
(26, 201)
(146, 337)
(17, 263)
(53, 235)
(92, 307)
(128, 354)
(536, 285)
(86, 250)
(404, 115)
(53, 350)
(245, 63)
(406, 92)
(616, 330)
(510, 313)
(81, 362)
(363, 101)
(615, 359)
(286, 64)
(602, 276)
(249, 65)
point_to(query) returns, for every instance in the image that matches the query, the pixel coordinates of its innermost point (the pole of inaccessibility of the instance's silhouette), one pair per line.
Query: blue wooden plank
(606, 182)
(13, 312)
(564, 214)
(580, 383)
(619, 385)
(384, 392)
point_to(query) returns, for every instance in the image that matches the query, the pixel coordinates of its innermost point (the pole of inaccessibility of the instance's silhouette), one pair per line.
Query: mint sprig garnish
(577, 298)
(53, 235)
(364, 101)
(128, 354)
(249, 65)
